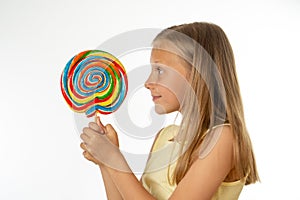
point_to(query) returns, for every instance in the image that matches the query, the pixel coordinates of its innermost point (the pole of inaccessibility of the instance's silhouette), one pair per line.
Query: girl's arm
(201, 181)
(112, 192)
(127, 184)
(206, 174)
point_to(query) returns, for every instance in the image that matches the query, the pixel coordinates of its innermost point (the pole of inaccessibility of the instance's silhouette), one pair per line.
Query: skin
(166, 94)
(100, 145)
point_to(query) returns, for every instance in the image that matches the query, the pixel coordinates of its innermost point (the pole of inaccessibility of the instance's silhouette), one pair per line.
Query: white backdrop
(40, 157)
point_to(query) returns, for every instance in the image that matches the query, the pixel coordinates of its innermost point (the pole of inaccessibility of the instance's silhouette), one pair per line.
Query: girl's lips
(154, 98)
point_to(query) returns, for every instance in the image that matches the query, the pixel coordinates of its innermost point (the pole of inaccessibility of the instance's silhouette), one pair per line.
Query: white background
(40, 157)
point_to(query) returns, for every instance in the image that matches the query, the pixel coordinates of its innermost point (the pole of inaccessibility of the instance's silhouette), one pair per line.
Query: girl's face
(167, 81)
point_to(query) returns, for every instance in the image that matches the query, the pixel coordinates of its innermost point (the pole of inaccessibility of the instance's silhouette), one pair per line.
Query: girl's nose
(149, 84)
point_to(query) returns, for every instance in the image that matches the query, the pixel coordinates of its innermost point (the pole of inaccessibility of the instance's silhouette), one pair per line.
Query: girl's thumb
(99, 123)
(112, 134)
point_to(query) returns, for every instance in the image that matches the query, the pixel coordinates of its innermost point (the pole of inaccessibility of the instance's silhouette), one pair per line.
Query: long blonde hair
(215, 98)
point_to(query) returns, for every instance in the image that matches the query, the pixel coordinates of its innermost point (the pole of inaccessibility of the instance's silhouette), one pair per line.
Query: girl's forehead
(168, 60)
(163, 55)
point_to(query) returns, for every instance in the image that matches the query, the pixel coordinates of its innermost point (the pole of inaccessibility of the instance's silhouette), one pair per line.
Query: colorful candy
(94, 81)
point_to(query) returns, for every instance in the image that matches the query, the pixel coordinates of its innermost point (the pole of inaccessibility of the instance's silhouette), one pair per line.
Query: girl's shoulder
(170, 128)
(165, 135)
(212, 136)
(169, 132)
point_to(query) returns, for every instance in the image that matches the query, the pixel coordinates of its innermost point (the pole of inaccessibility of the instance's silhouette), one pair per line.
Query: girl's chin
(159, 109)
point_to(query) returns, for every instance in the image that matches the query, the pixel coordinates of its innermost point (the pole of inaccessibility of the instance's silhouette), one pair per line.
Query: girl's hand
(109, 131)
(100, 143)
(88, 156)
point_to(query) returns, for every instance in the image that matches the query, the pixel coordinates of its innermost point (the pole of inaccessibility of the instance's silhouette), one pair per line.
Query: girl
(209, 156)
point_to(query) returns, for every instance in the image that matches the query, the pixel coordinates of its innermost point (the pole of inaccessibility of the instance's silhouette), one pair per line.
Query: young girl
(209, 156)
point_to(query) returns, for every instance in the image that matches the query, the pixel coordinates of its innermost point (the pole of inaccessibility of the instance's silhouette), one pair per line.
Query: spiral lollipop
(94, 81)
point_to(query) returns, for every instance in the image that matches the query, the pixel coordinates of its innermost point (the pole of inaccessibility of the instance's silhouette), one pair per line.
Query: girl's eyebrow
(157, 64)
(156, 61)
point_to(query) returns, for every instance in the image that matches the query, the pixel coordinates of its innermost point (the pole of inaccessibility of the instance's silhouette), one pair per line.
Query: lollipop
(93, 82)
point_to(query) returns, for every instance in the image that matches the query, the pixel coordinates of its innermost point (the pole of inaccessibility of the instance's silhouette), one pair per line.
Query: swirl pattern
(94, 81)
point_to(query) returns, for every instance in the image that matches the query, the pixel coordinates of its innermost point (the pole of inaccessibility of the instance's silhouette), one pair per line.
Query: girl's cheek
(179, 86)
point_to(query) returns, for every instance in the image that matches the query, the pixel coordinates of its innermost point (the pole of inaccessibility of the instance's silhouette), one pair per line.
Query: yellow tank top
(155, 178)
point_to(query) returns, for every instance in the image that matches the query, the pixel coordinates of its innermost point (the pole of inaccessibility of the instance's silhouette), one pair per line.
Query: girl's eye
(159, 70)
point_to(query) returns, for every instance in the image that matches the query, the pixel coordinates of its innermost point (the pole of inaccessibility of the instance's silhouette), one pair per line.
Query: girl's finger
(96, 127)
(90, 132)
(110, 129)
(84, 137)
(112, 135)
(98, 121)
(86, 155)
(82, 145)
